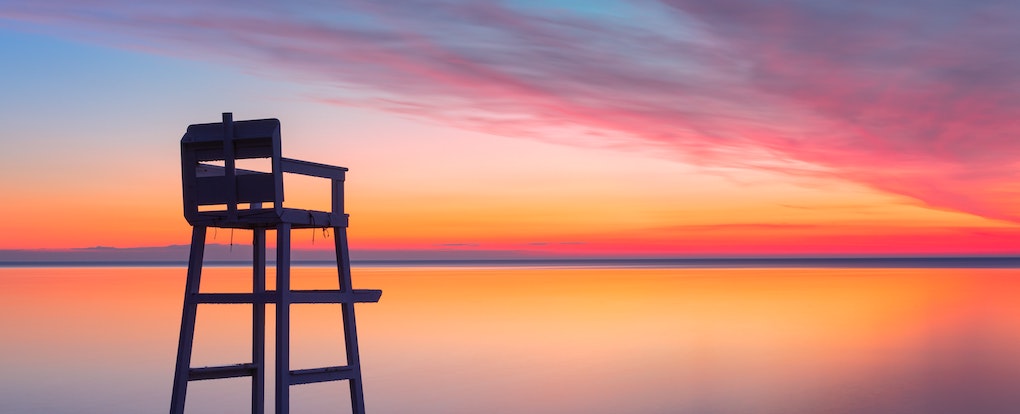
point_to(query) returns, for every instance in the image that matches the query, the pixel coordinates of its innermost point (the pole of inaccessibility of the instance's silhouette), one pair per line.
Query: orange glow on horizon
(576, 209)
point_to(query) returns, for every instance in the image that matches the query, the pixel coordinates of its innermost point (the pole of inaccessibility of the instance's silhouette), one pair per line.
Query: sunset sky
(578, 128)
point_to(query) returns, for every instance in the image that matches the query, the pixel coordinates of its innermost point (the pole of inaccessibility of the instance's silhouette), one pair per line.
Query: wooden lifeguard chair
(217, 194)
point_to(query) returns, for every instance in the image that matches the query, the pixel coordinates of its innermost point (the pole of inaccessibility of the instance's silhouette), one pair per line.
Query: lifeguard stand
(217, 194)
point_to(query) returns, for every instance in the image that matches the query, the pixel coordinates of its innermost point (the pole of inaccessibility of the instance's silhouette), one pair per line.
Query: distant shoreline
(951, 262)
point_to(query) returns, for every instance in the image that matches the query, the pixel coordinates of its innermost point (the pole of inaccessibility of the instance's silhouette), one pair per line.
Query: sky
(549, 128)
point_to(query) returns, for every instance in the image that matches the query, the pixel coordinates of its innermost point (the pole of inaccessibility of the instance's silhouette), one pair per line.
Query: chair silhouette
(218, 194)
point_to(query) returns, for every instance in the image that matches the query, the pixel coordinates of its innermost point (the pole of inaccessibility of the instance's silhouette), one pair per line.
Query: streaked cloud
(913, 98)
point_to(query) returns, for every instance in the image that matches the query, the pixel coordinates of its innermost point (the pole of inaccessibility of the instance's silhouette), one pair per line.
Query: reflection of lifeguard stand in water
(214, 196)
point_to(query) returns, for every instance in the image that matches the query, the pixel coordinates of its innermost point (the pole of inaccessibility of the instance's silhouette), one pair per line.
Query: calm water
(531, 340)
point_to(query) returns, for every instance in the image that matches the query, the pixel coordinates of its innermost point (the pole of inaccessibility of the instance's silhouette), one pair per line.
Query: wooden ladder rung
(308, 376)
(335, 296)
(226, 371)
(222, 298)
(296, 296)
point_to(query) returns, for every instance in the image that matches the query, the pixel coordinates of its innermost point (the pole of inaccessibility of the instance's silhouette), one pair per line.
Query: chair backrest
(207, 183)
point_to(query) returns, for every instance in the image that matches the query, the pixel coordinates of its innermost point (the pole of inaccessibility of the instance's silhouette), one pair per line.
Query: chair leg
(283, 318)
(343, 261)
(187, 336)
(258, 327)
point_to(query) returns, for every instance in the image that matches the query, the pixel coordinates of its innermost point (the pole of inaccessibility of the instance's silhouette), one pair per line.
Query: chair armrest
(312, 168)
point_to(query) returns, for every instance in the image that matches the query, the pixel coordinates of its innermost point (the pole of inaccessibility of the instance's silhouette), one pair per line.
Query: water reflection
(538, 340)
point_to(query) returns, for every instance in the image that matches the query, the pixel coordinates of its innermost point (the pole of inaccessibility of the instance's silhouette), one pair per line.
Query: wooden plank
(337, 200)
(296, 296)
(258, 322)
(343, 261)
(282, 385)
(187, 337)
(209, 170)
(226, 371)
(308, 376)
(235, 298)
(248, 188)
(313, 169)
(228, 162)
(335, 296)
(255, 218)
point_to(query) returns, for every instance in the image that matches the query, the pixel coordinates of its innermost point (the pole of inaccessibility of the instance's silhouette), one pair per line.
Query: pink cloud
(913, 99)
(919, 103)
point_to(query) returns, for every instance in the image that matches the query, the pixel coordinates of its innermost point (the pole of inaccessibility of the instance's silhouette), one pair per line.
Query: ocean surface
(536, 339)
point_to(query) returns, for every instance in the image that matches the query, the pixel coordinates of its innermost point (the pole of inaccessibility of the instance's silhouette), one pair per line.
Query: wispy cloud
(913, 98)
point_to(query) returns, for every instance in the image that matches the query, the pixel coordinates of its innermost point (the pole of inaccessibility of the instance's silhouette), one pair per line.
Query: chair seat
(267, 217)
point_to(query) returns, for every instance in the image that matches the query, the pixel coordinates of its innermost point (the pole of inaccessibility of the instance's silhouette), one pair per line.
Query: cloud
(913, 98)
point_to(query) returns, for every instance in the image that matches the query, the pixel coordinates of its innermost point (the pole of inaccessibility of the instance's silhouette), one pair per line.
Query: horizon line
(898, 261)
